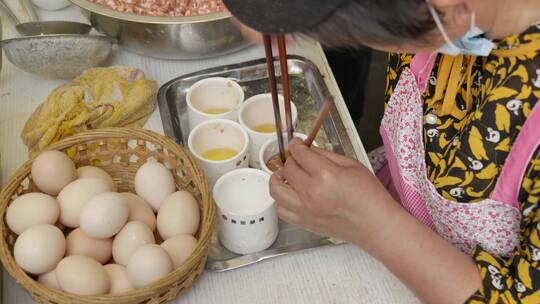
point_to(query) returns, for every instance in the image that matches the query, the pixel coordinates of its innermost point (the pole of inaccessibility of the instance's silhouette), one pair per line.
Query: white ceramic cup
(211, 94)
(218, 134)
(256, 111)
(270, 148)
(247, 214)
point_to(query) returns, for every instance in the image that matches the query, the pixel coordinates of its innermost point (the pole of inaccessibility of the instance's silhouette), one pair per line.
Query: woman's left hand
(328, 193)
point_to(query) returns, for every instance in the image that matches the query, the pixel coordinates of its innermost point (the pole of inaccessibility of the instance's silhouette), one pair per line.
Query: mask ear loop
(473, 20)
(440, 26)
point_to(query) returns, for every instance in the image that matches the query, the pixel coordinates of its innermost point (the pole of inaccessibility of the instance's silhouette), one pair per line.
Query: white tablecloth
(343, 274)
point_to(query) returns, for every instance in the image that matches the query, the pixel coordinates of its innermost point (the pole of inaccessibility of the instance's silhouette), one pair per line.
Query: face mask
(472, 43)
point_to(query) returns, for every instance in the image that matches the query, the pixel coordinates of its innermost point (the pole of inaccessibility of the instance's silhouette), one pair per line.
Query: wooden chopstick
(282, 47)
(273, 88)
(323, 113)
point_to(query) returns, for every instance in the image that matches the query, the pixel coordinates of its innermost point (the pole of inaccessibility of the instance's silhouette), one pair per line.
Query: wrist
(375, 222)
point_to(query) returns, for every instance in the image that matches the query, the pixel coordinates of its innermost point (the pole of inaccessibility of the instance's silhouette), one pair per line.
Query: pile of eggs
(81, 236)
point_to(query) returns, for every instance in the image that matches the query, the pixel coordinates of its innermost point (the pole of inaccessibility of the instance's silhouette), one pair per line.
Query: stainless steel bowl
(167, 37)
(58, 56)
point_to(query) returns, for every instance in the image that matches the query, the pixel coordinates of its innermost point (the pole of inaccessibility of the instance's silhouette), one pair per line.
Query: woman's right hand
(337, 196)
(330, 194)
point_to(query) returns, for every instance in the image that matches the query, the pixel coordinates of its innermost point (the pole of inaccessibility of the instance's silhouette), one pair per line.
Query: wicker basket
(120, 152)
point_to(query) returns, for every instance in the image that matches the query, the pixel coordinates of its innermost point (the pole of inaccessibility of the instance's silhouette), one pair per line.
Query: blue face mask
(472, 43)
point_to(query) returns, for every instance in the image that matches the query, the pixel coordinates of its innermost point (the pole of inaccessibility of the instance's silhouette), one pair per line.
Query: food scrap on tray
(170, 8)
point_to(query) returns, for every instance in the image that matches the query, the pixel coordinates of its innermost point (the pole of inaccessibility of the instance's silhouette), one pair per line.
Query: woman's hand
(328, 193)
(337, 196)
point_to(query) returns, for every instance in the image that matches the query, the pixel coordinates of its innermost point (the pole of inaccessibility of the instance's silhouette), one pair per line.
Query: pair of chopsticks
(323, 112)
(273, 88)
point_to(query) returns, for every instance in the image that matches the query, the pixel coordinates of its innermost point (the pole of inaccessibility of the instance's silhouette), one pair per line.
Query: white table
(343, 274)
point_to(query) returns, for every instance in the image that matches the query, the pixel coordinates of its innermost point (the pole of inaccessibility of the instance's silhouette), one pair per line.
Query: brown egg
(49, 279)
(52, 171)
(78, 243)
(91, 171)
(179, 214)
(119, 279)
(148, 264)
(39, 248)
(31, 209)
(104, 215)
(134, 235)
(140, 210)
(154, 182)
(75, 195)
(82, 275)
(180, 248)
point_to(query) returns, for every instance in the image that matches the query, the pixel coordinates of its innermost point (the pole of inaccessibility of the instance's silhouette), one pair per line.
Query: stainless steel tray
(308, 90)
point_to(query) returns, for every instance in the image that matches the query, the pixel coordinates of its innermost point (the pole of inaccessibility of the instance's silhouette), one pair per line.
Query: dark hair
(384, 22)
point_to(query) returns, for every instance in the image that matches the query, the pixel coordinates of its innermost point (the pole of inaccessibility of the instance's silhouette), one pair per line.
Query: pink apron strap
(421, 67)
(509, 182)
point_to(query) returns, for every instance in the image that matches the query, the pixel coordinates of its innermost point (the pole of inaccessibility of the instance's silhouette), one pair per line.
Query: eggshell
(139, 210)
(82, 275)
(39, 248)
(52, 171)
(154, 182)
(32, 209)
(78, 243)
(179, 214)
(104, 215)
(75, 195)
(180, 248)
(134, 235)
(49, 279)
(119, 279)
(91, 171)
(148, 264)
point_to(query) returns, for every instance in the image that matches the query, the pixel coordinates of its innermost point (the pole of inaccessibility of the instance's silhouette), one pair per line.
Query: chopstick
(323, 113)
(273, 88)
(286, 85)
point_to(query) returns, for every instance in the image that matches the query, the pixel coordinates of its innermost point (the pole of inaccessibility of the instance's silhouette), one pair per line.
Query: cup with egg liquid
(270, 150)
(220, 146)
(213, 98)
(247, 214)
(256, 115)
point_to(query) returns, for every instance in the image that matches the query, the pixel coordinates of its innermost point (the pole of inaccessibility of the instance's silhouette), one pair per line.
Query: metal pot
(168, 37)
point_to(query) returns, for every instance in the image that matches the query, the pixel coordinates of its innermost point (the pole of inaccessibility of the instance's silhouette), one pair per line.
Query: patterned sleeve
(515, 279)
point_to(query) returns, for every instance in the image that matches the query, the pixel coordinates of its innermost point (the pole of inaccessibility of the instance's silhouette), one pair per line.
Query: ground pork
(172, 8)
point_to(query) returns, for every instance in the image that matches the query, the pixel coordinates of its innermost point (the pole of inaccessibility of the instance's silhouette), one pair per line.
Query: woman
(462, 144)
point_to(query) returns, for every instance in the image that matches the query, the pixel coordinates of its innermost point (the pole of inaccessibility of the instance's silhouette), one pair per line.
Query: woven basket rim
(201, 251)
